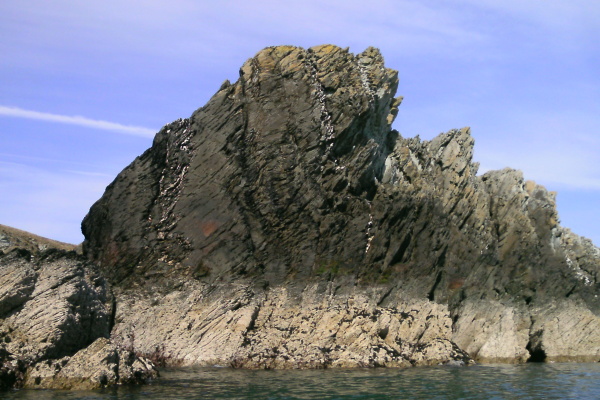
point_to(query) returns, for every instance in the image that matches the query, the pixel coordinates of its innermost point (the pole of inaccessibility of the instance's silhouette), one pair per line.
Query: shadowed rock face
(292, 181)
(273, 177)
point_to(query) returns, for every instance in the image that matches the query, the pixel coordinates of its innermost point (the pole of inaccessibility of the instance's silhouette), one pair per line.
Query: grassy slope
(18, 238)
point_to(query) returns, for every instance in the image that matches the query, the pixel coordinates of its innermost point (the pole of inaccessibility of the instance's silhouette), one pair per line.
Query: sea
(526, 381)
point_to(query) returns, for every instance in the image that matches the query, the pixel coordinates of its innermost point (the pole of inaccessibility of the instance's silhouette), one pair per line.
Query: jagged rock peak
(342, 83)
(297, 127)
(290, 188)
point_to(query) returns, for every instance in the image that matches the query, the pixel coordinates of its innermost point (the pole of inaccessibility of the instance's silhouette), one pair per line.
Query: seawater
(528, 381)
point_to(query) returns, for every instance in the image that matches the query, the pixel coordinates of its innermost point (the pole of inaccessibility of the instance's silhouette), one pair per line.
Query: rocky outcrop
(285, 224)
(99, 365)
(289, 219)
(495, 249)
(325, 325)
(272, 177)
(52, 307)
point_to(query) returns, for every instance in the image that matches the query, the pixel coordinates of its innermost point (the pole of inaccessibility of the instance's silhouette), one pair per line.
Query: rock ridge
(286, 224)
(292, 176)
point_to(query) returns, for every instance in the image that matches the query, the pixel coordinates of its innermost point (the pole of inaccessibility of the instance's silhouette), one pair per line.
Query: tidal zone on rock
(285, 224)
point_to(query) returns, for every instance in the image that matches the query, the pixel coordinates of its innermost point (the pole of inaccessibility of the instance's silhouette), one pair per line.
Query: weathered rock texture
(329, 324)
(285, 224)
(98, 365)
(52, 306)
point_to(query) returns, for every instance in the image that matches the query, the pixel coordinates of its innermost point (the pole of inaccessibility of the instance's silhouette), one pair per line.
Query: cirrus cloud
(77, 120)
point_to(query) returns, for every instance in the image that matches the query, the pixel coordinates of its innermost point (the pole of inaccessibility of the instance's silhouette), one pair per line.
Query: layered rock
(99, 365)
(52, 307)
(329, 324)
(261, 180)
(291, 181)
(285, 224)
(11, 238)
(491, 248)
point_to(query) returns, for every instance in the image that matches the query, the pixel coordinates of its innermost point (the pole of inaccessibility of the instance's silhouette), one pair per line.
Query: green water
(530, 381)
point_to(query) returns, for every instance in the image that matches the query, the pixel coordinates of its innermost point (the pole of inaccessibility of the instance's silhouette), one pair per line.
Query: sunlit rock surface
(53, 305)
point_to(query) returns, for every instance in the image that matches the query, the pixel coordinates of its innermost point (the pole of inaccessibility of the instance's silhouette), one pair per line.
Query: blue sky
(84, 85)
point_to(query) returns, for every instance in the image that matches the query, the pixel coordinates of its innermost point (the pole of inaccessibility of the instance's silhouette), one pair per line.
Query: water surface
(529, 381)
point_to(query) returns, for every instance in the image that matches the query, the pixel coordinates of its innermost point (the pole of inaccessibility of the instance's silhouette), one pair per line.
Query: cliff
(285, 224)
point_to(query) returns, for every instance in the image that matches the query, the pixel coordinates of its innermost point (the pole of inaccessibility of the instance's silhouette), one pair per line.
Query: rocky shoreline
(55, 315)
(285, 224)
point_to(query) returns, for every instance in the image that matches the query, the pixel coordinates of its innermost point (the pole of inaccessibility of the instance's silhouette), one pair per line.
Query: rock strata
(52, 307)
(323, 326)
(291, 182)
(285, 224)
(11, 238)
(99, 365)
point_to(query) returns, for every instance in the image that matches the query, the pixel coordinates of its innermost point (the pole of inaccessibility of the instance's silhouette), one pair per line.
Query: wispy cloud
(88, 173)
(77, 120)
(27, 159)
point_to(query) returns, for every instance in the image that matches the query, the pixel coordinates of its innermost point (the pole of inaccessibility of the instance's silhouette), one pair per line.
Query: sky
(85, 85)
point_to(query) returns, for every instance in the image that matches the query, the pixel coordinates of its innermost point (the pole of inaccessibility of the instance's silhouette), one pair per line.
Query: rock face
(273, 177)
(52, 307)
(328, 324)
(285, 224)
(98, 365)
